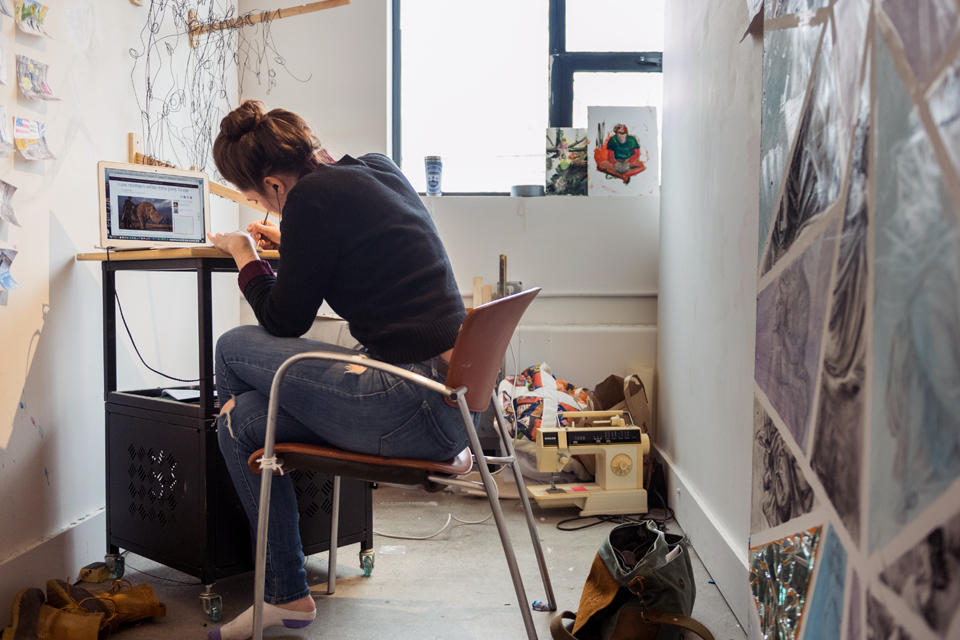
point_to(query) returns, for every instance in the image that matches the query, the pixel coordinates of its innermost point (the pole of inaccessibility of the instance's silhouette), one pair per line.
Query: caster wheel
(366, 563)
(115, 565)
(212, 604)
(216, 609)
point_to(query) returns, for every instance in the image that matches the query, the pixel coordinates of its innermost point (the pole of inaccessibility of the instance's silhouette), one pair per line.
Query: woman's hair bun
(243, 119)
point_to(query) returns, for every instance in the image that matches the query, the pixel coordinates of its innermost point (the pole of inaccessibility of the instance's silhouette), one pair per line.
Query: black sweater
(356, 234)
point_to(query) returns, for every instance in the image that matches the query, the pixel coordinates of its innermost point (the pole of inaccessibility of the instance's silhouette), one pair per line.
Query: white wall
(573, 247)
(711, 130)
(51, 382)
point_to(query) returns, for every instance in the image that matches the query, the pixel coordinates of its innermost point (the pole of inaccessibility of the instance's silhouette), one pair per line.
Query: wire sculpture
(183, 91)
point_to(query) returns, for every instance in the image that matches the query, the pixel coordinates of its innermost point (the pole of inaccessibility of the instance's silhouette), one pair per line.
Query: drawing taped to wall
(826, 605)
(6, 203)
(813, 180)
(780, 492)
(880, 624)
(623, 151)
(788, 56)
(927, 576)
(566, 161)
(6, 278)
(31, 17)
(32, 78)
(838, 438)
(915, 430)
(925, 29)
(779, 579)
(790, 317)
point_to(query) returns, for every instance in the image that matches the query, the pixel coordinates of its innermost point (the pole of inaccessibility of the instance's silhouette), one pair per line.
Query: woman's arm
(238, 244)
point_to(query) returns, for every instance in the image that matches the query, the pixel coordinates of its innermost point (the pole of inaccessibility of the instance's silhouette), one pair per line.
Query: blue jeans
(322, 402)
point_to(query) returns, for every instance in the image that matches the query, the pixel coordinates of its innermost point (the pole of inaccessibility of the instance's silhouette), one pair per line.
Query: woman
(355, 234)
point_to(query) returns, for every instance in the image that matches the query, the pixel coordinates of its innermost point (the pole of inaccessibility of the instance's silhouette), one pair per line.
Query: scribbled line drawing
(826, 605)
(927, 576)
(791, 312)
(838, 444)
(880, 624)
(813, 181)
(780, 492)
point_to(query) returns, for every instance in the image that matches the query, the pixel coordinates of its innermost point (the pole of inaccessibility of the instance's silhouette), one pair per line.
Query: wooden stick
(215, 187)
(197, 29)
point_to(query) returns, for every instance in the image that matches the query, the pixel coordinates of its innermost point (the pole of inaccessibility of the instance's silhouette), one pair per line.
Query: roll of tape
(526, 190)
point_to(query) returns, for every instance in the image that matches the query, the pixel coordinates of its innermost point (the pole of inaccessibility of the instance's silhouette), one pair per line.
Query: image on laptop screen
(150, 207)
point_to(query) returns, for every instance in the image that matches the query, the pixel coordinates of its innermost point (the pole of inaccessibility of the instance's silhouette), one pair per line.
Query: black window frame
(562, 64)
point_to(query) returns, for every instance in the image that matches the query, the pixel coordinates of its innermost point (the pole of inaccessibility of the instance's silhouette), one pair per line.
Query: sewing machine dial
(621, 464)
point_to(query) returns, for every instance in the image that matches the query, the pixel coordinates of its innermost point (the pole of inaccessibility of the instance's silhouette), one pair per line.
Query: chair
(470, 385)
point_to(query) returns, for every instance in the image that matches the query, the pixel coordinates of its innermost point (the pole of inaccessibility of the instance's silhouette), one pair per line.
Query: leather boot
(60, 624)
(133, 602)
(63, 595)
(25, 614)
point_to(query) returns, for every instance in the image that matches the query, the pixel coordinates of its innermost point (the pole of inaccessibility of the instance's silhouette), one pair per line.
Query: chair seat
(405, 471)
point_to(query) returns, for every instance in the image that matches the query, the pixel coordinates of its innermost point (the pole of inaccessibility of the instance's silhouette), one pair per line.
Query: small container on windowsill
(526, 190)
(434, 167)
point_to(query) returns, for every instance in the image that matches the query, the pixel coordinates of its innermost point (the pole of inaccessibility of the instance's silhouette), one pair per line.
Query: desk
(169, 497)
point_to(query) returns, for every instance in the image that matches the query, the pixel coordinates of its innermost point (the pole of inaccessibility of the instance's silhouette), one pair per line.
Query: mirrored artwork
(787, 62)
(787, 7)
(880, 624)
(779, 578)
(813, 179)
(854, 621)
(780, 492)
(791, 312)
(851, 18)
(838, 438)
(915, 414)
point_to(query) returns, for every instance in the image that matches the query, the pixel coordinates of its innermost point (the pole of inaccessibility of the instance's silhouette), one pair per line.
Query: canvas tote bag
(640, 587)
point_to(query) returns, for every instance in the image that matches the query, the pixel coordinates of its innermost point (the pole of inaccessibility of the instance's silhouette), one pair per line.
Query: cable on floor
(450, 517)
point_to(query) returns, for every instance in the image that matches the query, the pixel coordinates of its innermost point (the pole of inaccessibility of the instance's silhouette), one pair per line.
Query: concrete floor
(455, 585)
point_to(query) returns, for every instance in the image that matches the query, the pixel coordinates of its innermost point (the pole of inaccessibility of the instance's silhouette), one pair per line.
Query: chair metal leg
(334, 530)
(525, 500)
(492, 495)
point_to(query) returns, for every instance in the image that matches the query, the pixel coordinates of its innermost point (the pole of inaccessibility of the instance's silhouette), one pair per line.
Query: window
(481, 81)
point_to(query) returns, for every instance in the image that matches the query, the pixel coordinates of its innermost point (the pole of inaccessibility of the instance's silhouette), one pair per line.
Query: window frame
(562, 65)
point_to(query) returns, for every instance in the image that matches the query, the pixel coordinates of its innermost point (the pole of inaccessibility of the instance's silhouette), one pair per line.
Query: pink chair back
(481, 345)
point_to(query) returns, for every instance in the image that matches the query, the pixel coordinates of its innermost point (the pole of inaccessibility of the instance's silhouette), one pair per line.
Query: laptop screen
(150, 207)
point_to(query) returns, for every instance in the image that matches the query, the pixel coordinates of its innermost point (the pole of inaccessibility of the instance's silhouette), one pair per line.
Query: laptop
(147, 207)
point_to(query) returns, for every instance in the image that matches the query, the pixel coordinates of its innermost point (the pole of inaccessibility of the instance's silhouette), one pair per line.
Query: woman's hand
(238, 244)
(266, 236)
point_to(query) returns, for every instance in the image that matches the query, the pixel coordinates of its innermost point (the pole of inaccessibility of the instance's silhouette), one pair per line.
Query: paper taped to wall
(6, 203)
(31, 16)
(30, 138)
(6, 259)
(32, 78)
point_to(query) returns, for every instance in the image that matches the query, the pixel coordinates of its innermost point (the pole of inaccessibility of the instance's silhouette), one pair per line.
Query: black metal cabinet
(169, 496)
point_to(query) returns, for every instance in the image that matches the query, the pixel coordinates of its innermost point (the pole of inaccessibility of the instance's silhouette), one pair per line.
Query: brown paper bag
(623, 394)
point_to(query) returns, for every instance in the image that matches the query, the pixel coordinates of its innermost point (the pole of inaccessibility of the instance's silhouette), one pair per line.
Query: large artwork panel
(791, 312)
(838, 440)
(780, 492)
(915, 430)
(851, 24)
(787, 62)
(813, 180)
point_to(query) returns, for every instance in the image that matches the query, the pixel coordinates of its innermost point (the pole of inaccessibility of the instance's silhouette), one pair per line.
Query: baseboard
(60, 555)
(724, 556)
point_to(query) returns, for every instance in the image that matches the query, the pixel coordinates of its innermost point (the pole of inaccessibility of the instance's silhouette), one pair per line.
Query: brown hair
(254, 143)
(620, 128)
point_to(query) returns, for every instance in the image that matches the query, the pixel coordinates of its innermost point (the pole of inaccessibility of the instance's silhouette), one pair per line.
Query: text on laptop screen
(146, 206)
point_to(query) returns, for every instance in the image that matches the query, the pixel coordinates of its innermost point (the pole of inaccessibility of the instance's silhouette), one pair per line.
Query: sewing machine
(619, 449)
